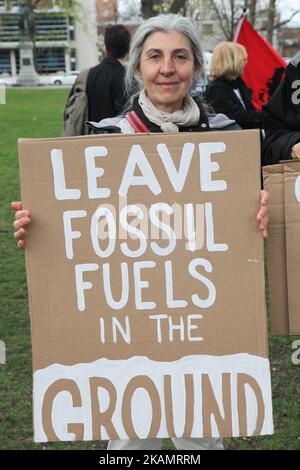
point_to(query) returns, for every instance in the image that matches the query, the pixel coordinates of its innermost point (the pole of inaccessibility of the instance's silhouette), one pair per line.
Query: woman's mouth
(167, 84)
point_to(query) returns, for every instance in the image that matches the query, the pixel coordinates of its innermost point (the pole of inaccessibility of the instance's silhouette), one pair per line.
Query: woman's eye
(154, 57)
(180, 58)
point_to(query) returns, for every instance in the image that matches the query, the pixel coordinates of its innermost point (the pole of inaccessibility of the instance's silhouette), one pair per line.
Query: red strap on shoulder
(136, 122)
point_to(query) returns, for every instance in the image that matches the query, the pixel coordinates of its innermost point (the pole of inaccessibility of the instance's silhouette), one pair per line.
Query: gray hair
(164, 24)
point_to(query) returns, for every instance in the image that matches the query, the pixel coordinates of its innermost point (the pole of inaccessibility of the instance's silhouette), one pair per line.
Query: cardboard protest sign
(146, 286)
(282, 182)
(276, 253)
(292, 223)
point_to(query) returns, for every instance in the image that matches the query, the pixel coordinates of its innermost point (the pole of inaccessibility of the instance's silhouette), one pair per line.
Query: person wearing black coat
(105, 84)
(227, 93)
(282, 118)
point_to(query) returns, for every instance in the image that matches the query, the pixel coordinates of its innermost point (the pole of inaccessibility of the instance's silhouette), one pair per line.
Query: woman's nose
(167, 66)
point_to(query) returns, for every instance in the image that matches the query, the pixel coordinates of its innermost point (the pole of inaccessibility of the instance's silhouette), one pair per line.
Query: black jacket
(282, 116)
(220, 95)
(105, 89)
(206, 123)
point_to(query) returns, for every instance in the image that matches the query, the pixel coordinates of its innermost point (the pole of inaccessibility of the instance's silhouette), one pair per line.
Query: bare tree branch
(220, 17)
(227, 13)
(226, 16)
(282, 23)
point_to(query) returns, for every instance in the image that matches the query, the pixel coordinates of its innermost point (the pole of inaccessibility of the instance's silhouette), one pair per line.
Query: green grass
(27, 113)
(38, 113)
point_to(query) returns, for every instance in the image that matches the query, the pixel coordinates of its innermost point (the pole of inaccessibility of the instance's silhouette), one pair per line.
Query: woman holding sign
(166, 57)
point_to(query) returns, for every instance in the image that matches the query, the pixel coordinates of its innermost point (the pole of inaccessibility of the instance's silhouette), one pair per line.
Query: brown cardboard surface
(276, 251)
(188, 319)
(292, 222)
(283, 250)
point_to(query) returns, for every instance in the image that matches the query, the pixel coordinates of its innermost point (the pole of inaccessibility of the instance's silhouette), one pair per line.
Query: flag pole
(239, 25)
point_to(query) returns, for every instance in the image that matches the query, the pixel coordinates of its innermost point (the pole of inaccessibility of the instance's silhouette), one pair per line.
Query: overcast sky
(288, 7)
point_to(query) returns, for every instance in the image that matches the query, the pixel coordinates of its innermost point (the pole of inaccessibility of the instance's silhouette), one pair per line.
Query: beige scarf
(188, 115)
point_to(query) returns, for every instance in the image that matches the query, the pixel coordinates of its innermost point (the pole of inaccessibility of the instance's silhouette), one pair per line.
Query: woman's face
(167, 69)
(243, 63)
(245, 60)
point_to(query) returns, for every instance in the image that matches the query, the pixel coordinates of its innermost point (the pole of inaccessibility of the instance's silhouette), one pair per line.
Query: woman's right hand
(22, 218)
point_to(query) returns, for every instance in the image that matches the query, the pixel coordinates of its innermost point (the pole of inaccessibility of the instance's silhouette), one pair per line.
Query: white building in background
(61, 43)
(53, 38)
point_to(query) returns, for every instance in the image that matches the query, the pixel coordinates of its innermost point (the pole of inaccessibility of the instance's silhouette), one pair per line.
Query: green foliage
(154, 7)
(73, 8)
(38, 113)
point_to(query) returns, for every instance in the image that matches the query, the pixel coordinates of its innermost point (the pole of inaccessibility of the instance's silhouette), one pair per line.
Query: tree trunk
(31, 20)
(252, 11)
(232, 14)
(271, 20)
(31, 27)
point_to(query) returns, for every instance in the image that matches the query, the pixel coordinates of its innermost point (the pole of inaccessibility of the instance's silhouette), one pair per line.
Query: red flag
(265, 67)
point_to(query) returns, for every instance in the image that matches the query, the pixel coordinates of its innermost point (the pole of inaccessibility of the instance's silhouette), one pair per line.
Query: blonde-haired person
(227, 92)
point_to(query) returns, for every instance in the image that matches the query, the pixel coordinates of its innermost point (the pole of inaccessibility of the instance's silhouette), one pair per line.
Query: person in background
(226, 92)
(282, 118)
(166, 57)
(105, 83)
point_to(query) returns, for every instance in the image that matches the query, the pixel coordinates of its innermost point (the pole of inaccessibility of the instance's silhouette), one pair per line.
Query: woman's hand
(263, 214)
(296, 151)
(22, 218)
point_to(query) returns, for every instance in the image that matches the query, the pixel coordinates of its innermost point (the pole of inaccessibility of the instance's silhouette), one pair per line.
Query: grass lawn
(38, 113)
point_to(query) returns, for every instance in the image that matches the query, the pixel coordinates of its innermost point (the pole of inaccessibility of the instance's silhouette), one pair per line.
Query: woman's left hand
(296, 151)
(263, 214)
